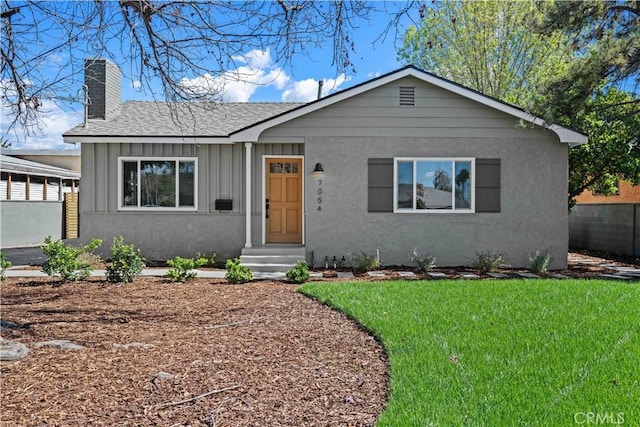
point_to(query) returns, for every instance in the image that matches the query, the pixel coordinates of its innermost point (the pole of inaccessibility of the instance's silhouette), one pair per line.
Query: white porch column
(248, 194)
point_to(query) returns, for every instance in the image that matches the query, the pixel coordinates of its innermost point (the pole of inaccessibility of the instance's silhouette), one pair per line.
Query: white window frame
(397, 160)
(138, 208)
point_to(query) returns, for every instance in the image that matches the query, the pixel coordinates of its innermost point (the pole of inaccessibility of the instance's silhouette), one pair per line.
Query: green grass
(501, 353)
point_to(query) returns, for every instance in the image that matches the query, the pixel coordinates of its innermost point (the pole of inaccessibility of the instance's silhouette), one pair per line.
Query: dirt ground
(198, 354)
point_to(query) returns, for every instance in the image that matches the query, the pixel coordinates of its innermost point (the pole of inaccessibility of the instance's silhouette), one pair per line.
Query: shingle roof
(149, 118)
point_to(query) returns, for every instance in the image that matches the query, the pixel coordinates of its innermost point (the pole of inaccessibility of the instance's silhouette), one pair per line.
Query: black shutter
(487, 185)
(380, 185)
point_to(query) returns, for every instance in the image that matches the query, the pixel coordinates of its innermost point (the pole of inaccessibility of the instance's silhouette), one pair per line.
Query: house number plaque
(319, 192)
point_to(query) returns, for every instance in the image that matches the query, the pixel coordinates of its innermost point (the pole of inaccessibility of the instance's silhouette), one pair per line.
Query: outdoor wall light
(318, 172)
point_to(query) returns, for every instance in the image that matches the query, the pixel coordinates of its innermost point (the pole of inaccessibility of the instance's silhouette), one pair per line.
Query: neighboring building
(405, 160)
(627, 193)
(32, 199)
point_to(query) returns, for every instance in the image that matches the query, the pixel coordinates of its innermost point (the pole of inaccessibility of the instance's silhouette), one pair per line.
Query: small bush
(210, 258)
(70, 263)
(299, 273)
(126, 262)
(182, 268)
(237, 273)
(539, 263)
(424, 261)
(4, 264)
(364, 262)
(488, 261)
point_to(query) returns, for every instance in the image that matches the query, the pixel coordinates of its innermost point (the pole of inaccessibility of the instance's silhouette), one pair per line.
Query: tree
(165, 42)
(606, 40)
(487, 46)
(613, 150)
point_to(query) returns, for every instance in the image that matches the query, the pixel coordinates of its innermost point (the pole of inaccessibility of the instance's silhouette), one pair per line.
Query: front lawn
(494, 353)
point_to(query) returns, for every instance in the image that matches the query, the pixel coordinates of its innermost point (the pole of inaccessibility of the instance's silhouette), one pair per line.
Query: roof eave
(146, 139)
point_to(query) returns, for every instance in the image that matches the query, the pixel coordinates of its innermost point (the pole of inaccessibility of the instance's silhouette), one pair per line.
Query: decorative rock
(406, 274)
(469, 275)
(498, 275)
(375, 274)
(60, 344)
(345, 275)
(437, 275)
(5, 324)
(11, 350)
(529, 275)
(559, 276)
(315, 275)
(164, 376)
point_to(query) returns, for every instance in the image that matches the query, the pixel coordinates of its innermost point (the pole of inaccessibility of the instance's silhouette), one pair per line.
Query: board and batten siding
(221, 172)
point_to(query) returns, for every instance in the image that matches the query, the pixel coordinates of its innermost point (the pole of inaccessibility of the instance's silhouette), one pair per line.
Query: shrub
(424, 261)
(4, 264)
(299, 273)
(210, 258)
(488, 261)
(539, 263)
(182, 268)
(237, 273)
(126, 262)
(364, 262)
(70, 263)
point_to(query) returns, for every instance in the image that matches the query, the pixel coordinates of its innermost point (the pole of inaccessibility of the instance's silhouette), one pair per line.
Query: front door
(283, 210)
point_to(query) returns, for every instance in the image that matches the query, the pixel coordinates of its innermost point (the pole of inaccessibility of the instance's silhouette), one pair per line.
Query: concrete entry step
(272, 258)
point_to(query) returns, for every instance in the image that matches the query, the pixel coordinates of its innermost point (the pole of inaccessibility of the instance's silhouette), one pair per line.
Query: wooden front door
(283, 202)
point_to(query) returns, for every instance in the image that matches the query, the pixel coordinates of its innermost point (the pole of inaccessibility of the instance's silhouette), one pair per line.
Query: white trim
(253, 133)
(72, 139)
(264, 191)
(248, 194)
(453, 210)
(139, 159)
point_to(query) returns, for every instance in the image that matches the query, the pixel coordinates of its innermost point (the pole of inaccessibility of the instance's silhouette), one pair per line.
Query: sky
(264, 81)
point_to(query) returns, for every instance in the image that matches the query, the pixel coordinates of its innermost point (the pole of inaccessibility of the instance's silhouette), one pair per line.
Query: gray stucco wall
(611, 227)
(26, 223)
(342, 137)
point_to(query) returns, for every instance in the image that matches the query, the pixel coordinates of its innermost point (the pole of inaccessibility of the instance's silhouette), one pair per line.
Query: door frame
(264, 192)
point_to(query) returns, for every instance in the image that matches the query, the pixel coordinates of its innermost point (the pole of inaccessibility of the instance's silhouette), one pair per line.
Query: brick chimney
(104, 80)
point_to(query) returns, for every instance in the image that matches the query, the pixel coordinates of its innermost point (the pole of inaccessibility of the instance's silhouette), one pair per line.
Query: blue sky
(263, 80)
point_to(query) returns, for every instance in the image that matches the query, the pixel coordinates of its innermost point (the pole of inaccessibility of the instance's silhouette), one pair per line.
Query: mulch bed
(258, 354)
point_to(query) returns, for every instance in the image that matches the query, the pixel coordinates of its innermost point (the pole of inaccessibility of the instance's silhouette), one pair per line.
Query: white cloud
(136, 84)
(54, 121)
(307, 90)
(240, 84)
(258, 70)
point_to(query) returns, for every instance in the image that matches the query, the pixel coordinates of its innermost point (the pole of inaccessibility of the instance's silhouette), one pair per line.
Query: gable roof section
(149, 121)
(252, 132)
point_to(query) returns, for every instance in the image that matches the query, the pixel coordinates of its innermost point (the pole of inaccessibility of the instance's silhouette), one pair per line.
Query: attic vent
(407, 96)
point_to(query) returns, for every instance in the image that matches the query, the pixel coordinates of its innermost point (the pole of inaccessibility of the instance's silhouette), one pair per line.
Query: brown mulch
(258, 354)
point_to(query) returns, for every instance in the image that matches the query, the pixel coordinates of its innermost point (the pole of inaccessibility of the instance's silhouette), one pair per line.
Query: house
(33, 194)
(404, 160)
(627, 193)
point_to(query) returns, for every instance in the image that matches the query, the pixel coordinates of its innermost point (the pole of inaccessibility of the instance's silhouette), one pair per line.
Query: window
(153, 183)
(433, 185)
